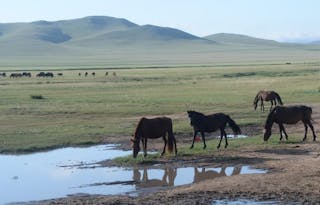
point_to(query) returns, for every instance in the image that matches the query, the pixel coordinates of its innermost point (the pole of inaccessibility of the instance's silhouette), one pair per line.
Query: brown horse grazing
(210, 123)
(153, 128)
(289, 115)
(271, 96)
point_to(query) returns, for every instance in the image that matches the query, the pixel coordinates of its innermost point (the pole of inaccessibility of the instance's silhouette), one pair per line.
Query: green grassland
(251, 143)
(75, 110)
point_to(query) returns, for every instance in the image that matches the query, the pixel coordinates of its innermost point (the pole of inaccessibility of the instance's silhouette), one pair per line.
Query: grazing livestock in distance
(43, 74)
(210, 123)
(26, 74)
(271, 96)
(289, 115)
(15, 75)
(152, 129)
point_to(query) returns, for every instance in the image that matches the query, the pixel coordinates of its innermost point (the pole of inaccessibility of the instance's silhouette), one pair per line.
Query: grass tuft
(37, 97)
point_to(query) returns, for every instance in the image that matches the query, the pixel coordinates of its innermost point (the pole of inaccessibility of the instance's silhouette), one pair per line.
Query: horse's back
(155, 127)
(291, 114)
(210, 123)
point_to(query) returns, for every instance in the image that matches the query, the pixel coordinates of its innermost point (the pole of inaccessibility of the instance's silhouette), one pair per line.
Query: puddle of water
(152, 179)
(40, 176)
(49, 175)
(237, 136)
(243, 202)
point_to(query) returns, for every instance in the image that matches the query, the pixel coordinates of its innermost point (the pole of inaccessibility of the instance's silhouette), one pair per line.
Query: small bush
(37, 97)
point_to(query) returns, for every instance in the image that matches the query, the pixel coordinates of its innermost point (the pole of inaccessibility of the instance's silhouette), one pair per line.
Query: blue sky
(282, 20)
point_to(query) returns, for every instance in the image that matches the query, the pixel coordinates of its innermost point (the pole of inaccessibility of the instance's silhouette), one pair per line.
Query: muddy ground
(293, 173)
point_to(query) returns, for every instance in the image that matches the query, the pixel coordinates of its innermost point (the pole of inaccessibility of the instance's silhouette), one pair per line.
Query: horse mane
(137, 133)
(195, 113)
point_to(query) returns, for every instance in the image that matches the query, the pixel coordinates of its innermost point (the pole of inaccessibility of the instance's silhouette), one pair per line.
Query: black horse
(210, 123)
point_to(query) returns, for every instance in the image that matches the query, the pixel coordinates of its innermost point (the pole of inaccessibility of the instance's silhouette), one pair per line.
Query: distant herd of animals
(162, 126)
(49, 74)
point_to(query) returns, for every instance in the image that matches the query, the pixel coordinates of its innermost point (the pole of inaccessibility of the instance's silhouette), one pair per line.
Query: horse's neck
(137, 134)
(257, 98)
(269, 122)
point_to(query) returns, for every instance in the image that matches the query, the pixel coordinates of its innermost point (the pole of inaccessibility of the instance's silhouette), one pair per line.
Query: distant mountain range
(108, 38)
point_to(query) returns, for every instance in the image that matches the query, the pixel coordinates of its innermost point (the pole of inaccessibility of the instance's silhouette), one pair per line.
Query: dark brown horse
(153, 128)
(271, 96)
(210, 123)
(289, 115)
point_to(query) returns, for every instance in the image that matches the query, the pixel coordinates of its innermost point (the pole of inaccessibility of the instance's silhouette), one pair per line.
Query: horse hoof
(191, 147)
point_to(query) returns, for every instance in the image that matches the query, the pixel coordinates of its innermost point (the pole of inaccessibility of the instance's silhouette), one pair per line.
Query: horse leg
(305, 131)
(165, 144)
(314, 134)
(194, 137)
(145, 147)
(280, 128)
(221, 136)
(284, 131)
(262, 105)
(226, 138)
(203, 139)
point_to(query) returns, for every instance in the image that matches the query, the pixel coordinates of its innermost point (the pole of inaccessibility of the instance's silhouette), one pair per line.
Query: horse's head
(266, 134)
(190, 115)
(135, 147)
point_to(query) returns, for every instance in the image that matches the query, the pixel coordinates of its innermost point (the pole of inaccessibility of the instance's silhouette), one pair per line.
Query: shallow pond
(51, 174)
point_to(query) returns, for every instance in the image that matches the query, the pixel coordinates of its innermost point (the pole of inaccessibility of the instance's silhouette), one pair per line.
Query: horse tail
(308, 112)
(170, 137)
(278, 98)
(235, 128)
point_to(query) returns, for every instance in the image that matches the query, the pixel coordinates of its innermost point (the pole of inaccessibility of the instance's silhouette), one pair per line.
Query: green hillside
(107, 42)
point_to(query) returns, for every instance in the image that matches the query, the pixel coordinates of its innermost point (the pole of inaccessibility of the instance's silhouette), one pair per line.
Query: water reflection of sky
(49, 175)
(40, 176)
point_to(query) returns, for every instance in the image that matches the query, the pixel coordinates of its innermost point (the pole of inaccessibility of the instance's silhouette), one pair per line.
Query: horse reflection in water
(210, 174)
(167, 178)
(170, 174)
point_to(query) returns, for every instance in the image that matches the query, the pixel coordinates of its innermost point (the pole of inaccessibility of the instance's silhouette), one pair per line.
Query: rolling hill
(101, 41)
(227, 38)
